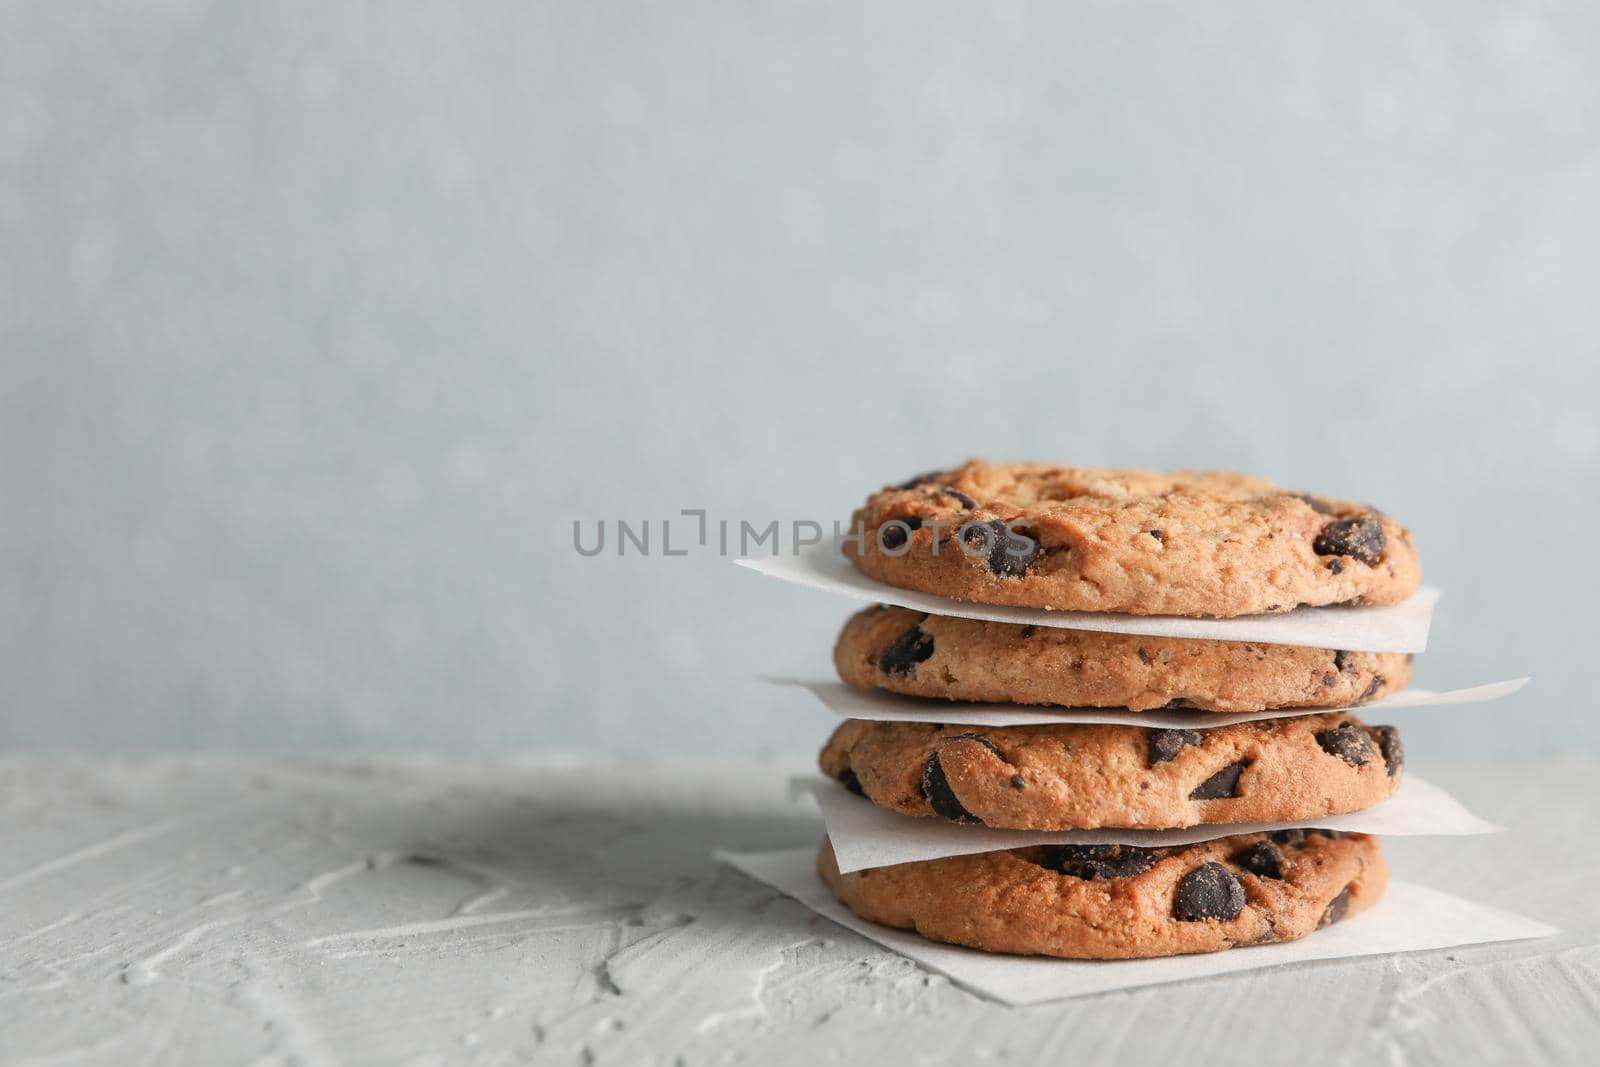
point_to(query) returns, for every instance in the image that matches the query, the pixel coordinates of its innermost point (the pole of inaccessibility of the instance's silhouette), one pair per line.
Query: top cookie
(1198, 543)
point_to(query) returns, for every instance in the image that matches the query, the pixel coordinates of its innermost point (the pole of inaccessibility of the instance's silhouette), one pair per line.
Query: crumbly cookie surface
(1117, 902)
(1197, 543)
(1077, 776)
(967, 659)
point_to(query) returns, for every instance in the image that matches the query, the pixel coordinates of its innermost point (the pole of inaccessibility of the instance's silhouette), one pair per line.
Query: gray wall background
(321, 323)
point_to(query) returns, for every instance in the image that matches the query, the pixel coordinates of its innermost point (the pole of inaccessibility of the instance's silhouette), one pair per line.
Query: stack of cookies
(1134, 542)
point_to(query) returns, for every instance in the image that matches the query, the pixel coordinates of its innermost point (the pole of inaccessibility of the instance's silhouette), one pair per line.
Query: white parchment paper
(880, 705)
(1394, 628)
(865, 835)
(1409, 918)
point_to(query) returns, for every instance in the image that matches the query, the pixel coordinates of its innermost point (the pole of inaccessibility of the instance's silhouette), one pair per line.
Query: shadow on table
(532, 851)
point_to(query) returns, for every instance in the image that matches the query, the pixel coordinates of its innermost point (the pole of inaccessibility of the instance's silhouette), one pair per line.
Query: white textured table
(215, 911)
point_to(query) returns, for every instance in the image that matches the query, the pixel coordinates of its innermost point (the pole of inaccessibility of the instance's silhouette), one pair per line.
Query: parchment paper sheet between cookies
(1410, 918)
(881, 705)
(865, 835)
(1394, 628)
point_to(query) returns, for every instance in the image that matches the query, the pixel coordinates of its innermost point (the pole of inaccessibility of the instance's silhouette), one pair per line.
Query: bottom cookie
(1121, 902)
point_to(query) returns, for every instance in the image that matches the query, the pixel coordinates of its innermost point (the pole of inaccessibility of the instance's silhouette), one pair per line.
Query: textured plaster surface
(564, 910)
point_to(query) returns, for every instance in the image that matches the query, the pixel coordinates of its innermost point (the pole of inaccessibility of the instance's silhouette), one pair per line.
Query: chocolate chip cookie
(966, 659)
(1198, 543)
(1084, 777)
(1119, 902)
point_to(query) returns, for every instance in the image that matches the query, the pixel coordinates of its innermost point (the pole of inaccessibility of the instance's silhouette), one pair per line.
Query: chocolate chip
(1210, 891)
(1394, 754)
(1348, 742)
(1164, 745)
(1009, 554)
(936, 788)
(894, 533)
(1222, 785)
(1342, 661)
(1361, 538)
(1017, 782)
(1021, 553)
(1329, 679)
(1261, 859)
(1145, 657)
(1091, 862)
(1158, 535)
(965, 500)
(1026, 631)
(924, 477)
(970, 735)
(908, 650)
(1372, 687)
(1338, 908)
(848, 779)
(1336, 566)
(1319, 506)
